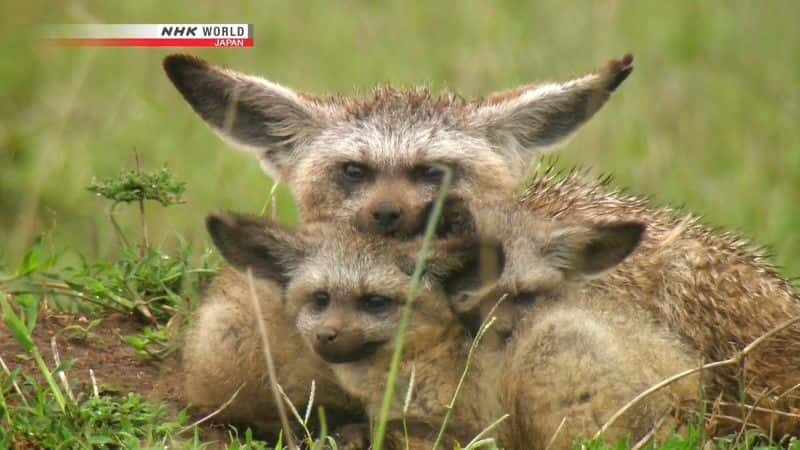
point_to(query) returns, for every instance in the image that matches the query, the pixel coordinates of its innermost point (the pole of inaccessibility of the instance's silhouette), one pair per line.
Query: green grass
(93, 422)
(707, 120)
(36, 416)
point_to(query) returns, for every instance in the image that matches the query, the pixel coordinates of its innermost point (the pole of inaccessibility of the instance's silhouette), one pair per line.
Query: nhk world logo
(152, 35)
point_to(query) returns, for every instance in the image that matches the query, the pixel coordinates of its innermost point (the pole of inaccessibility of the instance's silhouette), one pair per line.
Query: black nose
(327, 336)
(386, 214)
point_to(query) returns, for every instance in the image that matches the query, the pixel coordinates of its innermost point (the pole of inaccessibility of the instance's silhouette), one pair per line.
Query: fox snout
(400, 219)
(391, 217)
(387, 215)
(337, 345)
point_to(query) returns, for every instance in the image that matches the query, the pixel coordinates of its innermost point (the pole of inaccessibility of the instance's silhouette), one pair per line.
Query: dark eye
(320, 300)
(377, 304)
(354, 172)
(528, 298)
(430, 174)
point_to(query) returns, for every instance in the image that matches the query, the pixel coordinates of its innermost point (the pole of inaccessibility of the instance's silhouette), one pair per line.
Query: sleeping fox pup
(577, 358)
(371, 162)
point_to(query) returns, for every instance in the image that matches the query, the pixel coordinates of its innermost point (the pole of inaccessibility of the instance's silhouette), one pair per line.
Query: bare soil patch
(116, 366)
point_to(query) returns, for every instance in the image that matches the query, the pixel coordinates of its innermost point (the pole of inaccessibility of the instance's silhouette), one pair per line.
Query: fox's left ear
(535, 117)
(254, 114)
(268, 249)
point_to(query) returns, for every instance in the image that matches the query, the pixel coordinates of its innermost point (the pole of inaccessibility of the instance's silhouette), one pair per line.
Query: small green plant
(134, 186)
(76, 332)
(144, 281)
(154, 285)
(150, 343)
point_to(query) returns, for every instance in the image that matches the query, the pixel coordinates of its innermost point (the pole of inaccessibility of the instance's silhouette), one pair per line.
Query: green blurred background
(709, 119)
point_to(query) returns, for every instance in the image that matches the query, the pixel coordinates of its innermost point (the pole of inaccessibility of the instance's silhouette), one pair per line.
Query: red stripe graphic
(154, 42)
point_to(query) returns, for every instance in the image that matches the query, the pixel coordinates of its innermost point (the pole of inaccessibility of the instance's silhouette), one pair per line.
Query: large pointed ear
(593, 249)
(269, 250)
(533, 118)
(255, 114)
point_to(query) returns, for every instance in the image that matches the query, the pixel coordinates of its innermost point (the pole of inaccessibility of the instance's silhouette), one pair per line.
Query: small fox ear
(594, 249)
(530, 119)
(255, 114)
(264, 247)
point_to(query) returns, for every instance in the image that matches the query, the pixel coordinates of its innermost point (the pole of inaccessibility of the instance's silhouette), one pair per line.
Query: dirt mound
(116, 366)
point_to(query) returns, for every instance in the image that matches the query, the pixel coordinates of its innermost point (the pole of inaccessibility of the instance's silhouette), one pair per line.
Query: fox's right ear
(255, 114)
(593, 249)
(269, 250)
(531, 119)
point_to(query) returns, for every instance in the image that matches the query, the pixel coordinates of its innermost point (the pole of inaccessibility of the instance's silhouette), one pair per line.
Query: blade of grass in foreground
(413, 290)
(23, 337)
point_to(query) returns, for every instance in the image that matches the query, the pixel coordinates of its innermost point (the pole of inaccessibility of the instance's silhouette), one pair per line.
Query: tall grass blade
(413, 290)
(23, 337)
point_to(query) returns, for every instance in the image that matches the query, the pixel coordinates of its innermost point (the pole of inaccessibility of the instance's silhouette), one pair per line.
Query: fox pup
(578, 357)
(701, 283)
(372, 162)
(714, 288)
